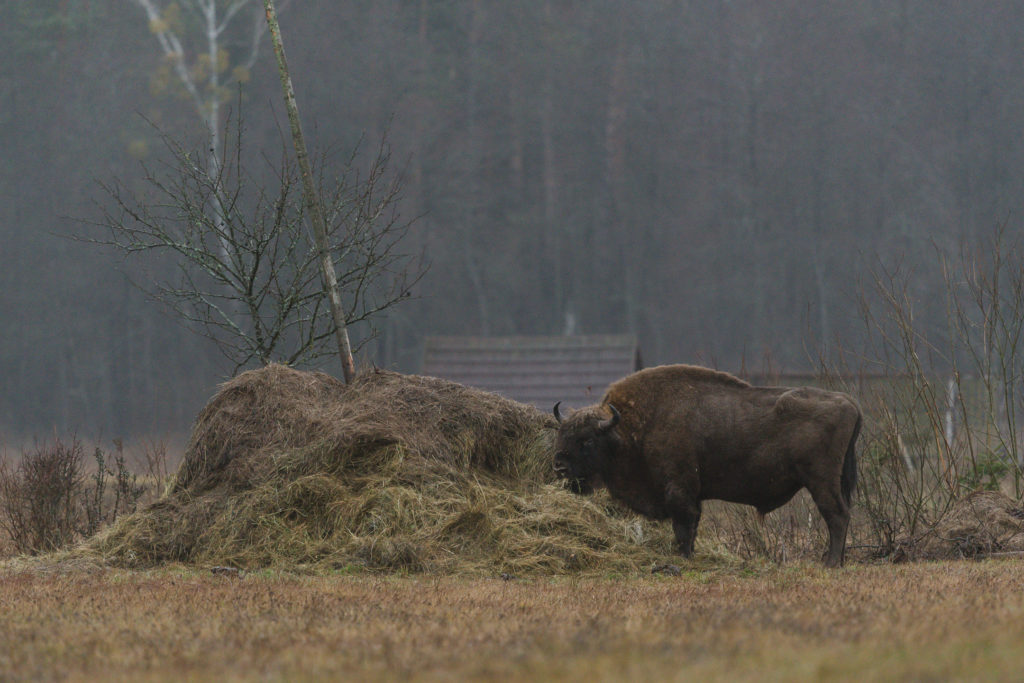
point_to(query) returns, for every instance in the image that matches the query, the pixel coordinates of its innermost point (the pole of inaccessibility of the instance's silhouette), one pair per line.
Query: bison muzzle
(664, 439)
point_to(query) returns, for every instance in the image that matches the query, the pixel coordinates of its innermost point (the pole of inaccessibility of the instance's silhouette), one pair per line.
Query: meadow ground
(918, 621)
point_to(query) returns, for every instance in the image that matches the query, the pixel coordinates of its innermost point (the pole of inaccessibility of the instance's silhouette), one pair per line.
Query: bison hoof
(831, 562)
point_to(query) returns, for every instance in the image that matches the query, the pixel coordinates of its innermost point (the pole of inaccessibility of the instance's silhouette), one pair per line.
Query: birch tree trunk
(312, 198)
(207, 97)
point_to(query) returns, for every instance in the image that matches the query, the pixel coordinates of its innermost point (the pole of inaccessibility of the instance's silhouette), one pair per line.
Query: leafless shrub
(941, 405)
(156, 470)
(126, 492)
(50, 498)
(39, 497)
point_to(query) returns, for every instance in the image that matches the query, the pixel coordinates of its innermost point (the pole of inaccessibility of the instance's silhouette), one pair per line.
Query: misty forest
(728, 181)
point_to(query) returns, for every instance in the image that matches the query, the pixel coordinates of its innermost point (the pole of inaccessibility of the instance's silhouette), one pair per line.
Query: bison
(666, 438)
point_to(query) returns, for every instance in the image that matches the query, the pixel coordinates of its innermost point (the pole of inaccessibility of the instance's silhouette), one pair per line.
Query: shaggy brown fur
(664, 439)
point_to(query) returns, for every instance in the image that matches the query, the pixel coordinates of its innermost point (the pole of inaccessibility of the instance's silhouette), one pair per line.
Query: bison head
(585, 445)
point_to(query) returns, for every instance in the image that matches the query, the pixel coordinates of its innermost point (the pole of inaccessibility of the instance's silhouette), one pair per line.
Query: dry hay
(985, 523)
(292, 469)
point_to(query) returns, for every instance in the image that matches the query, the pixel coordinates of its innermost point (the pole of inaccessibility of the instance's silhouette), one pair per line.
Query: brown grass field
(921, 621)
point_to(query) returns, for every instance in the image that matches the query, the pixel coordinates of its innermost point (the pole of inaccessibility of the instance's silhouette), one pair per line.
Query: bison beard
(664, 439)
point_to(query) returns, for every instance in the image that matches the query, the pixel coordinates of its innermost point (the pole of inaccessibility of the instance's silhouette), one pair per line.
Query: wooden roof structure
(573, 369)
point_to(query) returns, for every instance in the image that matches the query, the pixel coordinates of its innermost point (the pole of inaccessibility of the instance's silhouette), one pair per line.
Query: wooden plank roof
(537, 370)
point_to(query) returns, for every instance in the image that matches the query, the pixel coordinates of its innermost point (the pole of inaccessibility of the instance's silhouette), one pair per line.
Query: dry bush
(942, 402)
(39, 497)
(113, 490)
(394, 472)
(52, 495)
(985, 523)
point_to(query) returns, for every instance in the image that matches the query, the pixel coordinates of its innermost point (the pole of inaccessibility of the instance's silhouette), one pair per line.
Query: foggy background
(716, 177)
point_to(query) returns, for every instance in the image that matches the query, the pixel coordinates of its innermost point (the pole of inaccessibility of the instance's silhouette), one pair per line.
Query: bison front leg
(685, 518)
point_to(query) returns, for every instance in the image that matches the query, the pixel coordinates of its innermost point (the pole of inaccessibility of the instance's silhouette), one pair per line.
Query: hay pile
(293, 469)
(984, 523)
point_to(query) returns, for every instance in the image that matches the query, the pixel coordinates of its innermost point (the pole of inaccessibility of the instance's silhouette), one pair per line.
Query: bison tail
(848, 479)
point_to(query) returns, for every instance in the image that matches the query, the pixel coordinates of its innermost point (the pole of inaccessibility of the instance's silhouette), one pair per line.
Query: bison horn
(606, 425)
(555, 411)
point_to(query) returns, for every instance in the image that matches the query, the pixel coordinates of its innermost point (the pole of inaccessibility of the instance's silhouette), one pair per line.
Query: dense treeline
(716, 177)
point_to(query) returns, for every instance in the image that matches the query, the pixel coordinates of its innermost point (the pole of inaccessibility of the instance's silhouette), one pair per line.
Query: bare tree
(261, 299)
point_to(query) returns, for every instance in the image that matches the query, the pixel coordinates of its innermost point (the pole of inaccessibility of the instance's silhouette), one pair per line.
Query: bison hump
(809, 401)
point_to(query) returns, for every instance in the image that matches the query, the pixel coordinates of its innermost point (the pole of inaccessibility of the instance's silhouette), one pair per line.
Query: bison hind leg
(836, 513)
